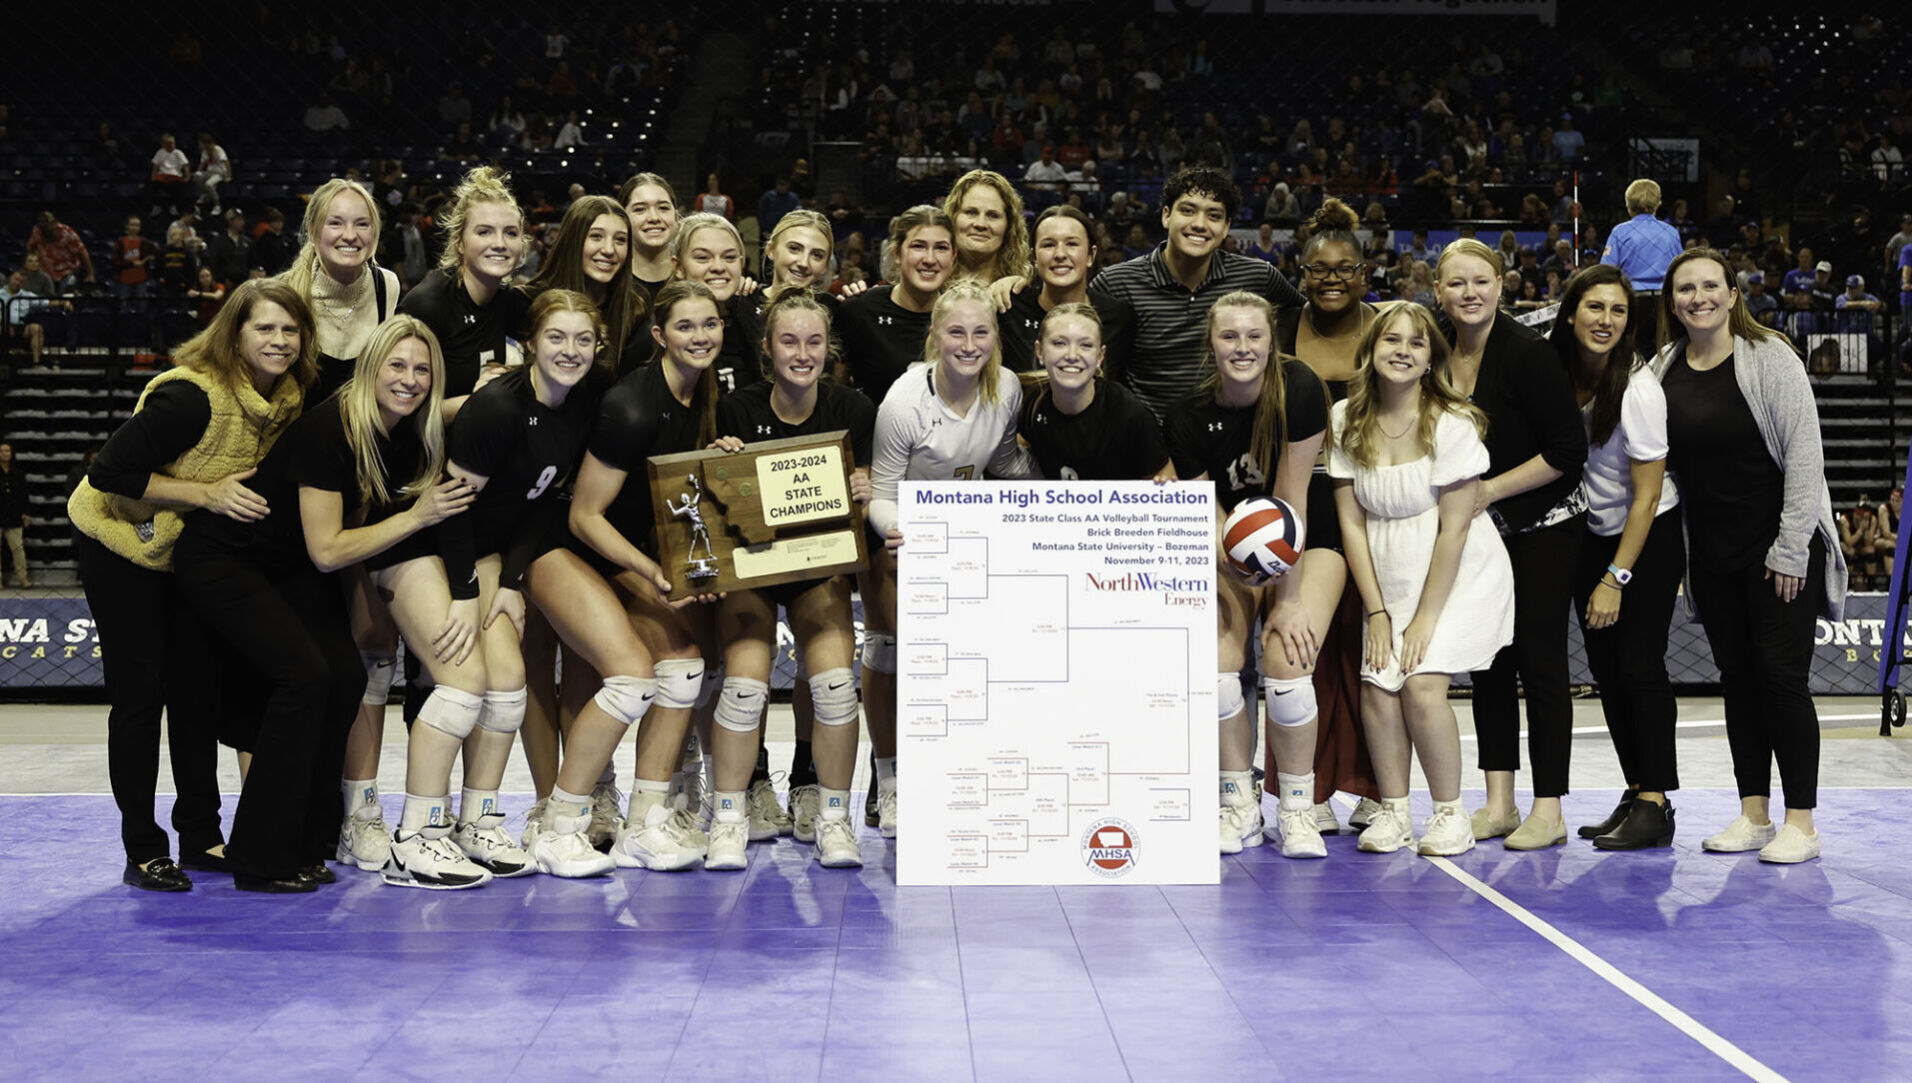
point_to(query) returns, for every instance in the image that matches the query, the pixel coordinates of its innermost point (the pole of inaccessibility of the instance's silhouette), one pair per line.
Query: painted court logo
(1108, 848)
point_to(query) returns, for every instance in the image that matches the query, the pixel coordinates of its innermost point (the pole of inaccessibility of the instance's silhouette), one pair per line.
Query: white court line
(1703, 723)
(1647, 998)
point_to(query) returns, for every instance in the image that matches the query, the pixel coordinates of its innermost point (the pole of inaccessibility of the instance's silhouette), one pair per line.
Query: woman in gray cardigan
(1743, 436)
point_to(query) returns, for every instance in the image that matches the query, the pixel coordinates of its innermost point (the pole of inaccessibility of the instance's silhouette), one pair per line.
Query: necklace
(329, 292)
(1359, 326)
(1394, 435)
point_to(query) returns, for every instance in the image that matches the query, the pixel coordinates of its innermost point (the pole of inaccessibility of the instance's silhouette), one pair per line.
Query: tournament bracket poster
(1056, 683)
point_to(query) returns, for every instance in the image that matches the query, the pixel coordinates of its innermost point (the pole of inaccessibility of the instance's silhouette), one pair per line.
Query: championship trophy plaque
(778, 511)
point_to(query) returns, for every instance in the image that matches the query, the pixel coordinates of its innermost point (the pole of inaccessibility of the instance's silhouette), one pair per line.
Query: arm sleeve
(1458, 451)
(625, 430)
(1643, 419)
(1279, 291)
(325, 460)
(171, 421)
(893, 440)
(1546, 398)
(1011, 459)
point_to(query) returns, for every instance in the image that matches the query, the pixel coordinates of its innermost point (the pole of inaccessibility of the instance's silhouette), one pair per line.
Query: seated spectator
(20, 305)
(1795, 290)
(325, 116)
(1763, 307)
(1045, 174)
(1137, 245)
(1856, 307)
(1822, 296)
(230, 254)
(1824, 361)
(62, 254)
(135, 259)
(271, 249)
(208, 294)
(1858, 540)
(215, 169)
(1560, 262)
(1265, 247)
(1282, 205)
(170, 171)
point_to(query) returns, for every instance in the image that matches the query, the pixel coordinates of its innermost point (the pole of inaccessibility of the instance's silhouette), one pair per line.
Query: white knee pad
(450, 711)
(380, 667)
(713, 683)
(626, 698)
(879, 652)
(740, 708)
(679, 682)
(1228, 697)
(504, 711)
(833, 692)
(1290, 701)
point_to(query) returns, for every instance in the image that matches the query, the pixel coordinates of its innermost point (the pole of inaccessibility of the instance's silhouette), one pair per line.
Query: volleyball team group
(328, 471)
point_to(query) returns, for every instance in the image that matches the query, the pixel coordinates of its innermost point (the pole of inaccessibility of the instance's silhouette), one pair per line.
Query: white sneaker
(428, 859)
(563, 848)
(1740, 836)
(729, 845)
(688, 824)
(1363, 813)
(767, 818)
(1449, 832)
(489, 848)
(835, 845)
(1298, 833)
(1790, 846)
(533, 826)
(656, 842)
(805, 803)
(1240, 826)
(1387, 832)
(607, 813)
(886, 813)
(365, 843)
(1324, 819)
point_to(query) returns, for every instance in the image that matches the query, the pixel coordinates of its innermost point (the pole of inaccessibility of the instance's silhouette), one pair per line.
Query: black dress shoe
(1619, 813)
(203, 861)
(319, 873)
(160, 874)
(295, 884)
(1647, 825)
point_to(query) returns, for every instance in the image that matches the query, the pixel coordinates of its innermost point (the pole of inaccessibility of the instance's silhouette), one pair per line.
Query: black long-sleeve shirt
(172, 419)
(1530, 411)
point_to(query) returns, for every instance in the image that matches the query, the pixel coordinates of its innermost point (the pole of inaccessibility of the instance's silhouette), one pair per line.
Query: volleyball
(1263, 539)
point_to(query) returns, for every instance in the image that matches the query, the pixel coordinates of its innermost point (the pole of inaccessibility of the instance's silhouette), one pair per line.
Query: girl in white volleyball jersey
(952, 415)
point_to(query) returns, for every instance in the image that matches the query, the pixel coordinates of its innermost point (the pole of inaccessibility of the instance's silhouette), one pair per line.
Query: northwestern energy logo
(1108, 848)
(1174, 589)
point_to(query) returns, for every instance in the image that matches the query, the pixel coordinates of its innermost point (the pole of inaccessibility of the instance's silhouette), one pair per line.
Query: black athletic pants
(152, 651)
(1763, 648)
(1544, 563)
(1628, 658)
(292, 655)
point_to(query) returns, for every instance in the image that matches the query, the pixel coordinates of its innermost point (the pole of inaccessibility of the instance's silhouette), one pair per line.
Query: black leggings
(152, 650)
(1544, 561)
(1628, 658)
(1763, 648)
(293, 660)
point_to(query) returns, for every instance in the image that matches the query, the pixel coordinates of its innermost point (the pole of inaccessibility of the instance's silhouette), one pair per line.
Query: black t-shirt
(1324, 519)
(748, 416)
(168, 424)
(737, 365)
(313, 454)
(1019, 325)
(471, 337)
(881, 339)
(1114, 439)
(525, 450)
(1733, 491)
(640, 418)
(1205, 437)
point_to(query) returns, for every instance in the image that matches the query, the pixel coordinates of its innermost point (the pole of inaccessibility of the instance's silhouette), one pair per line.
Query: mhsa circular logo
(1108, 848)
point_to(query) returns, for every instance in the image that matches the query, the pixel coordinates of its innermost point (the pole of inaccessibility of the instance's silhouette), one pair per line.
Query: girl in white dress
(1407, 456)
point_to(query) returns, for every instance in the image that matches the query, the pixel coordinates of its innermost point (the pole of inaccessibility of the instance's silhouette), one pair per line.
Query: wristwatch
(1620, 575)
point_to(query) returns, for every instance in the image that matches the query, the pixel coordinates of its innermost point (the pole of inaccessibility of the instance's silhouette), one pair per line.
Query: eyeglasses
(1326, 273)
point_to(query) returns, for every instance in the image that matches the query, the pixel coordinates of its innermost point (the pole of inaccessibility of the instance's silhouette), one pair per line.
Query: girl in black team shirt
(1255, 428)
(464, 300)
(883, 329)
(665, 407)
(651, 204)
(1063, 259)
(709, 251)
(369, 457)
(514, 444)
(591, 256)
(1079, 425)
(797, 400)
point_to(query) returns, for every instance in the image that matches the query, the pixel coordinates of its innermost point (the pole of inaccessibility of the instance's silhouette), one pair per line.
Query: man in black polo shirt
(1173, 287)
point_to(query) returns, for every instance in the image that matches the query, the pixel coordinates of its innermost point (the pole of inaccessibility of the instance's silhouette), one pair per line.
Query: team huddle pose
(329, 471)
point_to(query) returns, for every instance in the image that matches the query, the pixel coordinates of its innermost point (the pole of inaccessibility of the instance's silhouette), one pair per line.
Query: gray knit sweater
(1773, 381)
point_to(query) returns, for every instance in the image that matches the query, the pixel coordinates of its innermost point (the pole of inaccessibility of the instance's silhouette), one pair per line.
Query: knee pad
(380, 668)
(450, 711)
(1229, 701)
(833, 692)
(713, 683)
(1290, 701)
(504, 711)
(679, 682)
(879, 652)
(626, 698)
(740, 708)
